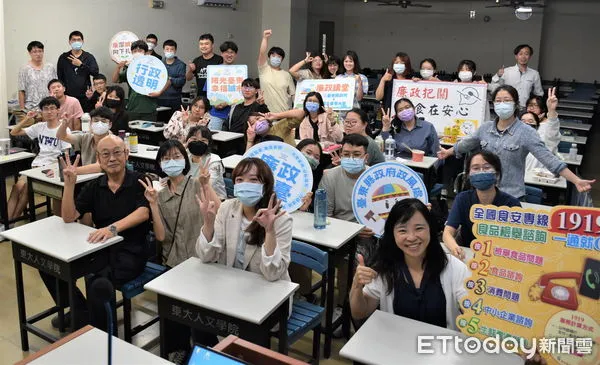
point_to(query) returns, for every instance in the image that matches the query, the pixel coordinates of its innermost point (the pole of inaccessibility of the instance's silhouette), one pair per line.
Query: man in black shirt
(93, 96)
(238, 116)
(152, 41)
(197, 68)
(118, 207)
(75, 67)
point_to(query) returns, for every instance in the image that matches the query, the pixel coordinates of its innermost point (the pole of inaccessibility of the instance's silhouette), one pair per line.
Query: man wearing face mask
(86, 143)
(277, 84)
(171, 94)
(152, 41)
(75, 67)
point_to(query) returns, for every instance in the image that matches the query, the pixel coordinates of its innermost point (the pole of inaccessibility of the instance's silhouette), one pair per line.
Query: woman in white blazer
(249, 232)
(412, 275)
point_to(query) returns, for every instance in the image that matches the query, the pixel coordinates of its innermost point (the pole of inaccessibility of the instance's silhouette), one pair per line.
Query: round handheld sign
(379, 188)
(147, 74)
(292, 173)
(119, 47)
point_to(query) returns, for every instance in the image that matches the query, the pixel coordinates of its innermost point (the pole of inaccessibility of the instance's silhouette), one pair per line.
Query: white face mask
(426, 73)
(399, 68)
(169, 55)
(100, 128)
(465, 76)
(137, 55)
(150, 46)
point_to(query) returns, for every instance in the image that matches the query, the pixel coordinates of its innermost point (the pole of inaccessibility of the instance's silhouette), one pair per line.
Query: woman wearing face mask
(176, 222)
(86, 142)
(484, 170)
(512, 140)
(334, 65)
(352, 69)
(548, 125)
(411, 275)
(314, 68)
(400, 69)
(114, 99)
(409, 130)
(249, 232)
(198, 142)
(466, 72)
(181, 121)
(427, 70)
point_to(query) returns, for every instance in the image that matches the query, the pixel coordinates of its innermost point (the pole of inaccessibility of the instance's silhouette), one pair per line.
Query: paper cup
(417, 155)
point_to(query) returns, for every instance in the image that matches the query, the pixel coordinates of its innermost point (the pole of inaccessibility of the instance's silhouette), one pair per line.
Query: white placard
(119, 47)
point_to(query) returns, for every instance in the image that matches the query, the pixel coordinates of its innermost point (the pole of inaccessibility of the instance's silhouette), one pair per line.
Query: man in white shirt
(523, 78)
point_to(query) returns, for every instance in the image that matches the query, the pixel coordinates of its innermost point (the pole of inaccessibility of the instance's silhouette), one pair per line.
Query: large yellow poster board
(536, 277)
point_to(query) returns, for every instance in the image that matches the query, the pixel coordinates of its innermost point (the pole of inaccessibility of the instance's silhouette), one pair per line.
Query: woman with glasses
(408, 130)
(548, 125)
(181, 121)
(484, 170)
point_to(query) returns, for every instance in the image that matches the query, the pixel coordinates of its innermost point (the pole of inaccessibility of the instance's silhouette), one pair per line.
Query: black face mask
(110, 103)
(197, 148)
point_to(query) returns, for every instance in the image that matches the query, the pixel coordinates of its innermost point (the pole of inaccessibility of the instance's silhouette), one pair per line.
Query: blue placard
(379, 188)
(147, 74)
(292, 173)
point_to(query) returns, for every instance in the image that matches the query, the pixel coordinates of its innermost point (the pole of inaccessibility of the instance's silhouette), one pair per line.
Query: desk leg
(59, 303)
(163, 337)
(283, 318)
(4, 204)
(21, 305)
(74, 319)
(329, 304)
(31, 199)
(346, 315)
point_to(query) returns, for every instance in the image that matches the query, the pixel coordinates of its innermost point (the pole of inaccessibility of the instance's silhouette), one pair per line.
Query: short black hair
(102, 112)
(431, 61)
(54, 81)
(139, 44)
(204, 132)
(228, 45)
(470, 64)
(521, 46)
(488, 157)
(49, 100)
(361, 113)
(75, 33)
(120, 94)
(152, 36)
(34, 44)
(165, 147)
(204, 100)
(170, 42)
(250, 82)
(356, 140)
(309, 142)
(99, 77)
(539, 101)
(278, 51)
(207, 36)
(513, 93)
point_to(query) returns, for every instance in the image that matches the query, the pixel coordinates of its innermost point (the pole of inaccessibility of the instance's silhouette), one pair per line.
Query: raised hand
(335, 158)
(185, 114)
(267, 33)
(204, 173)
(150, 193)
(192, 66)
(261, 97)
(89, 92)
(74, 61)
(584, 185)
(308, 58)
(501, 71)
(387, 76)
(266, 217)
(364, 275)
(101, 100)
(552, 101)
(386, 120)
(122, 64)
(205, 119)
(250, 133)
(31, 114)
(208, 208)
(69, 170)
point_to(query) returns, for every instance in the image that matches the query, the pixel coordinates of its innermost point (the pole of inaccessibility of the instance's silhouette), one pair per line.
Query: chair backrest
(309, 257)
(533, 195)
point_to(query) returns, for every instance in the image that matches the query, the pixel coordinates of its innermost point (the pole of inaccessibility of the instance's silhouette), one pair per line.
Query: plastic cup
(417, 155)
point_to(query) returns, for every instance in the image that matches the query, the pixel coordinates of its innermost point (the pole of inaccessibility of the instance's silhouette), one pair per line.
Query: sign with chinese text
(536, 278)
(379, 188)
(119, 47)
(445, 104)
(338, 94)
(147, 74)
(224, 83)
(293, 175)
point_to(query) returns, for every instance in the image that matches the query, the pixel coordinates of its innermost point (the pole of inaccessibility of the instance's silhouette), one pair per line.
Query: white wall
(443, 32)
(182, 20)
(276, 16)
(570, 40)
(298, 30)
(329, 10)
(3, 96)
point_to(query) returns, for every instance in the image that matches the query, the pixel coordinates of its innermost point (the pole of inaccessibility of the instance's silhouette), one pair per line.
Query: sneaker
(178, 357)
(67, 321)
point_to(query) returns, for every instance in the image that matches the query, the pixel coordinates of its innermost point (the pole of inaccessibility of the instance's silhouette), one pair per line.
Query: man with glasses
(50, 149)
(117, 205)
(93, 96)
(33, 77)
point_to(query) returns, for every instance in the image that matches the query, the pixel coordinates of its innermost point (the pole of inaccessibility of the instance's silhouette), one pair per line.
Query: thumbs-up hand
(363, 275)
(501, 71)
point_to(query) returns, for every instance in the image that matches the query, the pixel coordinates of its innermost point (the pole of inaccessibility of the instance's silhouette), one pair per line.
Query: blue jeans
(216, 123)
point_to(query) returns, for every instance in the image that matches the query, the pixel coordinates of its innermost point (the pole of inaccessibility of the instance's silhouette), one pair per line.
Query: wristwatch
(113, 229)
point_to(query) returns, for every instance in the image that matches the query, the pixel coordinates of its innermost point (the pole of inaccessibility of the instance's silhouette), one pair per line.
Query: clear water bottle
(85, 118)
(126, 140)
(320, 209)
(390, 148)
(380, 143)
(573, 152)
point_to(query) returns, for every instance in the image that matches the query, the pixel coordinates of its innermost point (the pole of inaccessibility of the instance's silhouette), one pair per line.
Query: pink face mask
(261, 127)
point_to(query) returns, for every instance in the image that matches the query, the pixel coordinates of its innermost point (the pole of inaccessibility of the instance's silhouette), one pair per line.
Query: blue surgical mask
(76, 45)
(248, 193)
(353, 165)
(312, 106)
(505, 109)
(483, 180)
(172, 167)
(169, 55)
(275, 61)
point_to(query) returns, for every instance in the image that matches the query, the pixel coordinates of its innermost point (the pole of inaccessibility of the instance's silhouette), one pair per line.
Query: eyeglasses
(351, 122)
(105, 155)
(49, 108)
(482, 168)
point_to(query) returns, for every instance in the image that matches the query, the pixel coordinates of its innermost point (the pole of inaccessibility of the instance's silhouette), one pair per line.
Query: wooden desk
(144, 159)
(149, 135)
(88, 346)
(38, 182)
(254, 354)
(223, 301)
(58, 249)
(11, 165)
(338, 240)
(386, 338)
